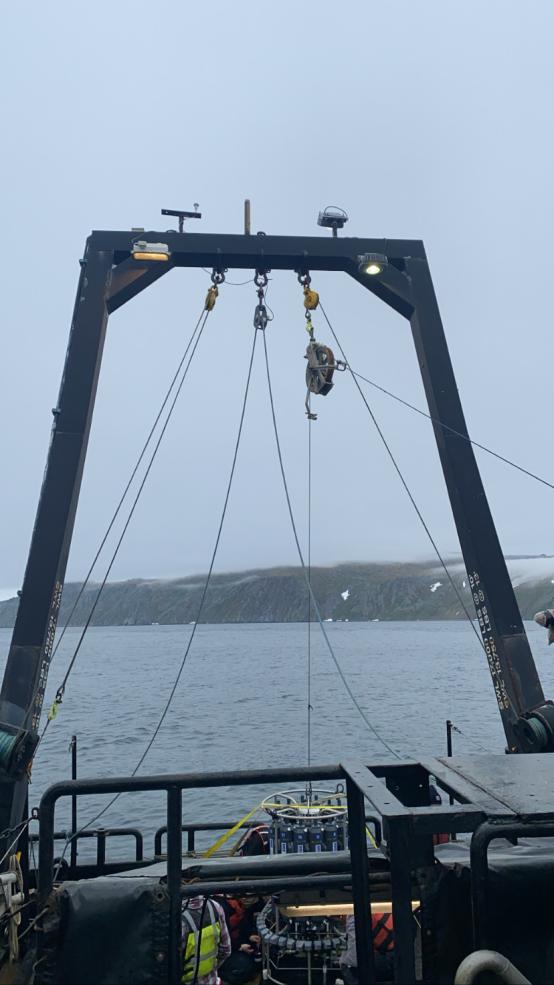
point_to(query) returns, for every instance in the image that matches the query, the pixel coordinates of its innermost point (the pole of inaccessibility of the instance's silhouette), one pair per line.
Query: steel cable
(309, 668)
(349, 690)
(23, 825)
(446, 427)
(61, 689)
(128, 486)
(404, 483)
(199, 613)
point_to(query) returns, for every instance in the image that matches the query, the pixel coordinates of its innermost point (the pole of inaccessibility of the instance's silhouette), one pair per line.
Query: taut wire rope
(446, 427)
(315, 605)
(61, 690)
(198, 615)
(309, 560)
(404, 482)
(128, 485)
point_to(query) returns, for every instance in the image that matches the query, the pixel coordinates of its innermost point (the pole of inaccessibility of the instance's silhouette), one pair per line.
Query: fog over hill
(355, 591)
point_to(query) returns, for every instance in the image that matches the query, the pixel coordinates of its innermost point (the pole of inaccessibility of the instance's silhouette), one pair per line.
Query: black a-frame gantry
(111, 276)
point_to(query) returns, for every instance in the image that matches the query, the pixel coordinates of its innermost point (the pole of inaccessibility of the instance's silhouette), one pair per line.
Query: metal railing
(480, 961)
(173, 785)
(191, 830)
(101, 835)
(480, 841)
(397, 792)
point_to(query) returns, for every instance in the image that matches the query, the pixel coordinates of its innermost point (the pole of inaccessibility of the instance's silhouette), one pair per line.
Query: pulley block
(320, 368)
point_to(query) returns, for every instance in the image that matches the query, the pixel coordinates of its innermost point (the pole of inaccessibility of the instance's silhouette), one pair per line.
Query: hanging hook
(261, 317)
(309, 413)
(218, 276)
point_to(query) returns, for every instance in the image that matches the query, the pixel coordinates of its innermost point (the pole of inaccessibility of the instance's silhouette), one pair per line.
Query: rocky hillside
(346, 591)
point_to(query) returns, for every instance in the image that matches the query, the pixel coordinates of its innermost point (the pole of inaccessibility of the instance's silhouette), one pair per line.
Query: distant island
(349, 592)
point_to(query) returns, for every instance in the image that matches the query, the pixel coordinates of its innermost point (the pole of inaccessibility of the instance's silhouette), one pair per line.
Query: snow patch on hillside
(523, 571)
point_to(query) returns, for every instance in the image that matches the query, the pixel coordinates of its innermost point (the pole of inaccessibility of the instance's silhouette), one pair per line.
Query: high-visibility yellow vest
(206, 938)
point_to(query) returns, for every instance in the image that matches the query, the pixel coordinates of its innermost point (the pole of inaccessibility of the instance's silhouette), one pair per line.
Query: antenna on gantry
(183, 215)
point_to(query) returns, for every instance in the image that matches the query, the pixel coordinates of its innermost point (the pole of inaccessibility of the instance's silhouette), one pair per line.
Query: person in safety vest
(383, 946)
(206, 941)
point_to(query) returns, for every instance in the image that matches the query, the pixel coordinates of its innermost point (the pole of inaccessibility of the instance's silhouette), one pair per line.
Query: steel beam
(256, 886)
(514, 675)
(382, 799)
(131, 277)
(392, 287)
(463, 789)
(22, 690)
(258, 252)
(399, 842)
(26, 672)
(360, 884)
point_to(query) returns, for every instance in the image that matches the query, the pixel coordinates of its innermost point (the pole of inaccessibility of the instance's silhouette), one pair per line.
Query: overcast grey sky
(429, 120)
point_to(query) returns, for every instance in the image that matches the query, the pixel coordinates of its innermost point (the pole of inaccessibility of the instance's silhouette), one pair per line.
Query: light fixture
(336, 909)
(150, 251)
(372, 263)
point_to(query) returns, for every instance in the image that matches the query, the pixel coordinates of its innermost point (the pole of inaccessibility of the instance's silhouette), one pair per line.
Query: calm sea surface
(242, 704)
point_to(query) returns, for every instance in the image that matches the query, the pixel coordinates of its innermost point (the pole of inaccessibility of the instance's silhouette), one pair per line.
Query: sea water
(242, 704)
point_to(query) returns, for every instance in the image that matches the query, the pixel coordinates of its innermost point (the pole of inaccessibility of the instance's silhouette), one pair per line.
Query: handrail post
(174, 870)
(360, 883)
(101, 836)
(46, 845)
(449, 739)
(398, 841)
(73, 844)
